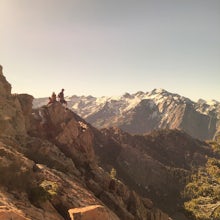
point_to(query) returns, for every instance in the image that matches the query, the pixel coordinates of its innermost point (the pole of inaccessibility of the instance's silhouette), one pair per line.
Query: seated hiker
(61, 97)
(52, 99)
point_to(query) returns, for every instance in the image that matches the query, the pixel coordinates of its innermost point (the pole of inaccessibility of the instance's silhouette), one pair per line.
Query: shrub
(216, 213)
(43, 192)
(113, 173)
(50, 187)
(203, 192)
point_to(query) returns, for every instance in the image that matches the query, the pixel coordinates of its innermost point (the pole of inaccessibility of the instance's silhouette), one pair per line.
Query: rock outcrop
(94, 212)
(48, 166)
(14, 110)
(5, 86)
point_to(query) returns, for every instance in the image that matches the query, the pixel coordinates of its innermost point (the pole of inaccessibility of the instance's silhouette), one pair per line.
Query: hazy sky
(109, 47)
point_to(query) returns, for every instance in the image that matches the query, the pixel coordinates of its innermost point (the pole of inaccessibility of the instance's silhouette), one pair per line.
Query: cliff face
(198, 125)
(14, 110)
(48, 166)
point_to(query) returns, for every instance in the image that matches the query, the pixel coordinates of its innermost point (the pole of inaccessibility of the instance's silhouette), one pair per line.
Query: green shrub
(216, 213)
(215, 145)
(50, 187)
(43, 192)
(202, 193)
(113, 173)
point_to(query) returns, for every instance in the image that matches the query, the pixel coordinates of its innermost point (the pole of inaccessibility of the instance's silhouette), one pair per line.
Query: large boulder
(67, 130)
(93, 212)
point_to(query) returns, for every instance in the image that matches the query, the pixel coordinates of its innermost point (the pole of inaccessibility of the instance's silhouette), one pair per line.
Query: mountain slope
(52, 161)
(48, 166)
(141, 112)
(156, 165)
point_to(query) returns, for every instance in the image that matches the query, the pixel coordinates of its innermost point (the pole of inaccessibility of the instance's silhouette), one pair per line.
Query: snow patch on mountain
(146, 110)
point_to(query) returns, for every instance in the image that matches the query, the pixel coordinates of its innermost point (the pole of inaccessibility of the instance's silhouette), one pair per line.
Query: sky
(110, 47)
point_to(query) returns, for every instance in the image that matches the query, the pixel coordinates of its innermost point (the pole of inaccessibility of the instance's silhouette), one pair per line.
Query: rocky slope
(157, 165)
(141, 112)
(48, 166)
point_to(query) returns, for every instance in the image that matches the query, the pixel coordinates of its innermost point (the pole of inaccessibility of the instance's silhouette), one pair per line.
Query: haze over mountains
(142, 112)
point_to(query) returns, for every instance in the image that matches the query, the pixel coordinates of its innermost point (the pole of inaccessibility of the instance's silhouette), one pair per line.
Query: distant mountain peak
(208, 102)
(142, 112)
(127, 95)
(159, 90)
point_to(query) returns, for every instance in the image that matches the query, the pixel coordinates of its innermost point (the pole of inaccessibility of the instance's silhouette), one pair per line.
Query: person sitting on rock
(52, 99)
(61, 98)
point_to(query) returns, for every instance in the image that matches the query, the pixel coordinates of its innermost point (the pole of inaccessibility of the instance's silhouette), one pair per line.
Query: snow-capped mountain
(143, 112)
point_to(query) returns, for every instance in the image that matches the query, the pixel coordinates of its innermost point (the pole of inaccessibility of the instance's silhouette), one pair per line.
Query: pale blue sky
(109, 47)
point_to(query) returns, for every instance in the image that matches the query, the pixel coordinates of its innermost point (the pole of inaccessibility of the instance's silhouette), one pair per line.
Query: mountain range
(141, 113)
(55, 165)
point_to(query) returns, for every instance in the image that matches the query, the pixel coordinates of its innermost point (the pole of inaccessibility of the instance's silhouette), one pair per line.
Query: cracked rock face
(14, 110)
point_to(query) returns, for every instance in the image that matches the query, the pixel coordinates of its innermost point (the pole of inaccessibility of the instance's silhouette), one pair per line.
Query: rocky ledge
(49, 169)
